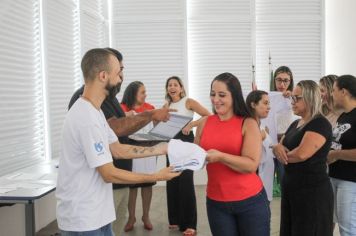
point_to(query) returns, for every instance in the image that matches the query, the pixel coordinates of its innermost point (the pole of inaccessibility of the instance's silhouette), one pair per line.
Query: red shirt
(224, 183)
(142, 108)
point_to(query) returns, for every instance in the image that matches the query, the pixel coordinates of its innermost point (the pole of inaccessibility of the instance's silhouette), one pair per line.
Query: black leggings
(181, 200)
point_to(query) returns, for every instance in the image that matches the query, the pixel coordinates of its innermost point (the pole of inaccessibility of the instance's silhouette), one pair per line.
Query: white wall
(340, 37)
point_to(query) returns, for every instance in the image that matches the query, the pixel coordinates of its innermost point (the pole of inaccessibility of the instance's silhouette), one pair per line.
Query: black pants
(307, 211)
(181, 200)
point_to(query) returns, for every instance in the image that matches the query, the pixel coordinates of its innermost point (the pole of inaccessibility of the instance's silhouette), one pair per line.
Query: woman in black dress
(307, 197)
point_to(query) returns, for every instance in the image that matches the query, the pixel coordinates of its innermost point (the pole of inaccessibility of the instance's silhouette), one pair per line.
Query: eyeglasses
(295, 99)
(284, 81)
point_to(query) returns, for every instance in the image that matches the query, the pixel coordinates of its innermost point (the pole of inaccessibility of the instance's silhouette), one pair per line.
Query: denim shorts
(103, 231)
(344, 206)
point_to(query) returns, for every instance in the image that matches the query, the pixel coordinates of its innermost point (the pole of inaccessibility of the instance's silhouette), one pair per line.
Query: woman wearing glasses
(307, 198)
(283, 80)
(284, 83)
(342, 157)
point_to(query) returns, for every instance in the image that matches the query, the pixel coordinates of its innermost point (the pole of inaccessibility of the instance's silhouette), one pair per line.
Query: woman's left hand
(186, 130)
(213, 156)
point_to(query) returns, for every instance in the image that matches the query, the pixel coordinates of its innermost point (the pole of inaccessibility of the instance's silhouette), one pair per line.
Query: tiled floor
(158, 216)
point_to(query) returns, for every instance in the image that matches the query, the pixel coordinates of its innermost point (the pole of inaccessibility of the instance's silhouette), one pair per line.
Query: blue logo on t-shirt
(99, 146)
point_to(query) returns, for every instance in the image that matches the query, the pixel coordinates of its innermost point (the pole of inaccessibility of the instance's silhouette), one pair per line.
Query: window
(151, 36)
(219, 40)
(193, 39)
(62, 59)
(292, 31)
(94, 24)
(21, 104)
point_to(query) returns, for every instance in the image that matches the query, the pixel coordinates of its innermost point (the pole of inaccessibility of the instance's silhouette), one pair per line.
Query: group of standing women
(237, 203)
(314, 195)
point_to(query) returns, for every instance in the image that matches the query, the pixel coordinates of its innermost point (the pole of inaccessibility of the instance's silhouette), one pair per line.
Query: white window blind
(219, 40)
(94, 25)
(21, 107)
(62, 53)
(292, 31)
(151, 36)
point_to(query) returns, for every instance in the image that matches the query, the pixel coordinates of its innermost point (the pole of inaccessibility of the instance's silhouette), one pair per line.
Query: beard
(113, 90)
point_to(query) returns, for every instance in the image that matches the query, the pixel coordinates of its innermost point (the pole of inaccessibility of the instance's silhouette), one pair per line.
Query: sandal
(190, 232)
(129, 226)
(147, 224)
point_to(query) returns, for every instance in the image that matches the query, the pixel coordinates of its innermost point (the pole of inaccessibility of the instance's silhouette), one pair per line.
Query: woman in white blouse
(259, 106)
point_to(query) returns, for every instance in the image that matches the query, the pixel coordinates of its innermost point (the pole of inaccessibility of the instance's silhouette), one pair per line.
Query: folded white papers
(184, 155)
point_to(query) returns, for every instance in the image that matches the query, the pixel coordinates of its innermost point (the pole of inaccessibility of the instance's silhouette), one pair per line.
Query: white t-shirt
(84, 200)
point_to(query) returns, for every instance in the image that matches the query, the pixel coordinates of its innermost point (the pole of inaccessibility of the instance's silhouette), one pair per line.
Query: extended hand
(161, 114)
(130, 113)
(167, 174)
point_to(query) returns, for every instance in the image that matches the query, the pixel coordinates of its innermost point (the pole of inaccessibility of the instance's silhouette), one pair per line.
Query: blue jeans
(249, 217)
(103, 231)
(344, 206)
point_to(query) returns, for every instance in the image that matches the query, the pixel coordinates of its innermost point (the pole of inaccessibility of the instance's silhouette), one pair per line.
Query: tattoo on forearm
(143, 150)
(147, 149)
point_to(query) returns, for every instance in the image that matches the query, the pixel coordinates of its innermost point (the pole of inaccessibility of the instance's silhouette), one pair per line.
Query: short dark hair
(234, 87)
(347, 82)
(117, 53)
(94, 61)
(129, 98)
(254, 97)
(284, 69)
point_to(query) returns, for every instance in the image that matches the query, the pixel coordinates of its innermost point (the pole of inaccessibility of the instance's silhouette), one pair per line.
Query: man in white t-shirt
(84, 190)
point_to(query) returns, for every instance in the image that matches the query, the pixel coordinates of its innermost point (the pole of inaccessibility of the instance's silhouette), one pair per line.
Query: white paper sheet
(184, 155)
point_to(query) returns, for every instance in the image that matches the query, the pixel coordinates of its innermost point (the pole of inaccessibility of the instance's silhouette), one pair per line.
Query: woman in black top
(307, 198)
(342, 157)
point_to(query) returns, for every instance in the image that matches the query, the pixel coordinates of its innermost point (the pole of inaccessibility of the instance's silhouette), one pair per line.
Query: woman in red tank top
(134, 100)
(236, 201)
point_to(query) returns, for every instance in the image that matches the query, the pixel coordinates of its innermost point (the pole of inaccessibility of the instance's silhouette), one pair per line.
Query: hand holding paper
(184, 155)
(213, 156)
